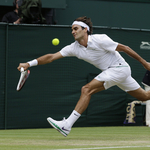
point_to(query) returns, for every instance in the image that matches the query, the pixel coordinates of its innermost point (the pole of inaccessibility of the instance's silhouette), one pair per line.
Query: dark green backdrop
(142, 1)
(45, 3)
(54, 89)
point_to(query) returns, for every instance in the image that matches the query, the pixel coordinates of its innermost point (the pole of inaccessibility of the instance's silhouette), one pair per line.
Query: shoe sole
(56, 127)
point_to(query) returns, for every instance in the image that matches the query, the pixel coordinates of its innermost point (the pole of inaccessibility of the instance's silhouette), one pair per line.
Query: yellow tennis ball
(55, 41)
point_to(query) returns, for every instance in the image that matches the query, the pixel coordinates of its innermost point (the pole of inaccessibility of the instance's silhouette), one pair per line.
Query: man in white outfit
(103, 53)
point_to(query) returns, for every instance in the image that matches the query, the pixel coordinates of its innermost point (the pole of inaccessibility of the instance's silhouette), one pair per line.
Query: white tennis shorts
(120, 76)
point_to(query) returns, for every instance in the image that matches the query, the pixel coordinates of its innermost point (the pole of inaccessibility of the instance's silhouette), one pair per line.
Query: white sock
(73, 118)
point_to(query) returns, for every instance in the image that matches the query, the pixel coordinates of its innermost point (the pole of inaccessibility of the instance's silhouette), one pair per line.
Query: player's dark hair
(86, 21)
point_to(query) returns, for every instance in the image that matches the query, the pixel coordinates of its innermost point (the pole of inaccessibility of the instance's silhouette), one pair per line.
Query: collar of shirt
(89, 43)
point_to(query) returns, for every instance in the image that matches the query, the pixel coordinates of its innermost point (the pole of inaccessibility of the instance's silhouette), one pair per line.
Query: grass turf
(78, 139)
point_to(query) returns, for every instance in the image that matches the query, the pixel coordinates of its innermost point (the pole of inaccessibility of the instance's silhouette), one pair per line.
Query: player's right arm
(48, 58)
(45, 59)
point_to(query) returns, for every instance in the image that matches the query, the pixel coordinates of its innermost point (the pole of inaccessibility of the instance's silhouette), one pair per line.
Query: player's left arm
(133, 54)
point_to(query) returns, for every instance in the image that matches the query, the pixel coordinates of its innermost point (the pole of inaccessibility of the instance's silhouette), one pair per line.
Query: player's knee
(146, 96)
(86, 90)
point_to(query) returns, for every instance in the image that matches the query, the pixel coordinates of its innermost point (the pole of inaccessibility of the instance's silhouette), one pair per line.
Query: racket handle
(22, 69)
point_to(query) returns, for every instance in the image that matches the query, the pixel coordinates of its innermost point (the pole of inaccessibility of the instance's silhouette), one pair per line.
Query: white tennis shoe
(61, 126)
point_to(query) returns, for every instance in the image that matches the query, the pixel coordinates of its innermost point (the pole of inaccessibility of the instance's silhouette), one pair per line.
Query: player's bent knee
(145, 97)
(85, 90)
(140, 94)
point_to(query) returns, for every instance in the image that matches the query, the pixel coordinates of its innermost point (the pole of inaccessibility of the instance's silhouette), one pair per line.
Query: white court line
(105, 147)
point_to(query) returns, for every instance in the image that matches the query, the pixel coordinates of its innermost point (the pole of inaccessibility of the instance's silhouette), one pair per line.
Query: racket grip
(22, 69)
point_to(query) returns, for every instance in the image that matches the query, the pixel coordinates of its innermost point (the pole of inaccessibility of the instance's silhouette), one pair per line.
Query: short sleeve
(107, 43)
(67, 51)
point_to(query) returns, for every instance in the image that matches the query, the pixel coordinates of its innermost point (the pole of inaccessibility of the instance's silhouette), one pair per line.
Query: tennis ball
(55, 41)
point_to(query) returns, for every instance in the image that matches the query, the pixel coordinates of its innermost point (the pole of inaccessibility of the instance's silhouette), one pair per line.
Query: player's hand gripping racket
(23, 77)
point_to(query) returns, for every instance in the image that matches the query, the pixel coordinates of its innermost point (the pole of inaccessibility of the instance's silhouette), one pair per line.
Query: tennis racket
(23, 77)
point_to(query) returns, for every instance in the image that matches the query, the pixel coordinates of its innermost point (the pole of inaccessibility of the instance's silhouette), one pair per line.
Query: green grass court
(85, 138)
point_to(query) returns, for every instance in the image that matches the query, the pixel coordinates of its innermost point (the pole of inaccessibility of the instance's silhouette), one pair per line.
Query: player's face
(78, 32)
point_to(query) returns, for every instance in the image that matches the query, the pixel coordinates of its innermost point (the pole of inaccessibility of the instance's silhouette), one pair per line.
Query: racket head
(23, 77)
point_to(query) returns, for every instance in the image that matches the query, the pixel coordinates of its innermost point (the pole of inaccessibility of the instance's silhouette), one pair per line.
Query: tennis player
(103, 53)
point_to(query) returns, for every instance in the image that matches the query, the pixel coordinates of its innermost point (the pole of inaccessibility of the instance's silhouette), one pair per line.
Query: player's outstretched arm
(133, 54)
(48, 58)
(45, 59)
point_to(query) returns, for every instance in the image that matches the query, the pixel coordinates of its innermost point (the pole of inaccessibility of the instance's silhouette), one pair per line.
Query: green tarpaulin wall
(54, 89)
(141, 1)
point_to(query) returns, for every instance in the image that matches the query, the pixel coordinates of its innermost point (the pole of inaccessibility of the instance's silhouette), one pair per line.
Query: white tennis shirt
(100, 51)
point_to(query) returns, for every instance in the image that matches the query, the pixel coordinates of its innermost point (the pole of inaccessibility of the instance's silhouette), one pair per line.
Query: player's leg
(91, 88)
(104, 80)
(64, 126)
(140, 94)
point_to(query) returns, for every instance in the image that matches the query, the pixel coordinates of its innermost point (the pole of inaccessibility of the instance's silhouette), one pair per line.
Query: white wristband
(33, 62)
